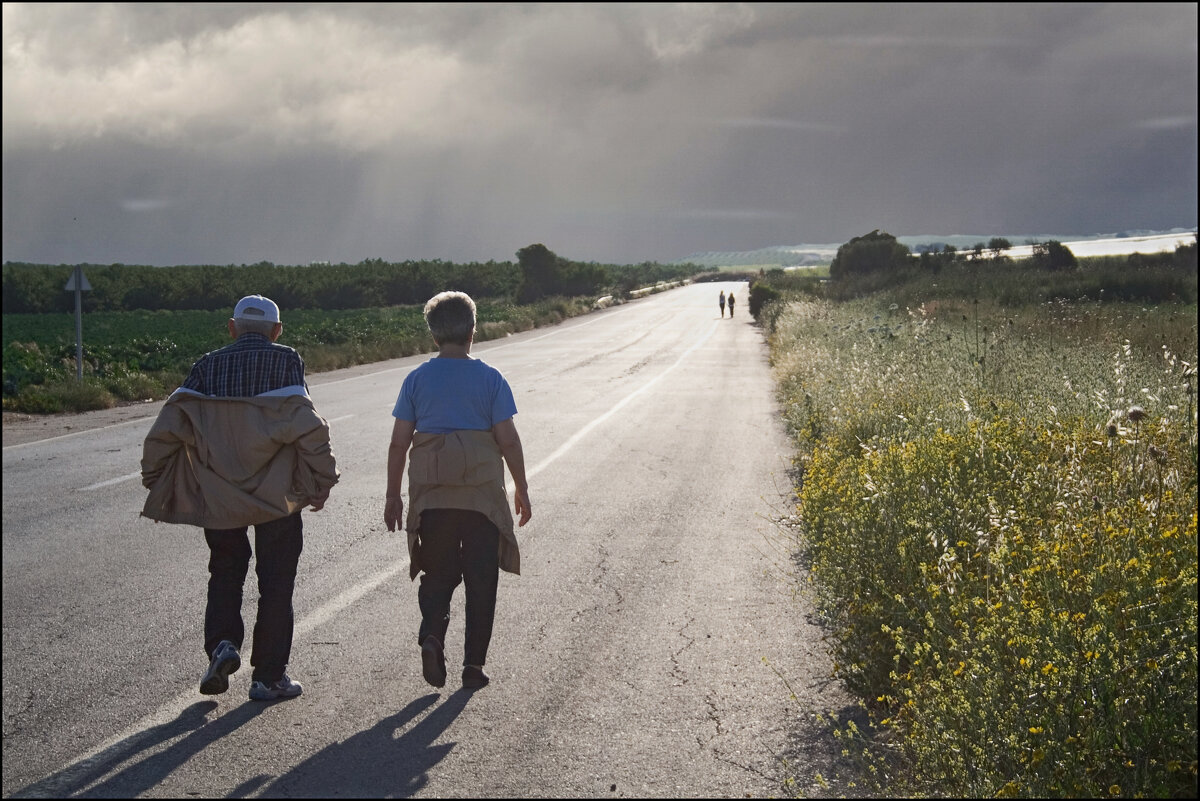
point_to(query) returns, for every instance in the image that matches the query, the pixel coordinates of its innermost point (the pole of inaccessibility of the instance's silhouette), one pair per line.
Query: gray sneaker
(225, 661)
(284, 688)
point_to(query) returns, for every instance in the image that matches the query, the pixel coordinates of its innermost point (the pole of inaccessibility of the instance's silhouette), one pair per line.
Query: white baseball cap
(256, 307)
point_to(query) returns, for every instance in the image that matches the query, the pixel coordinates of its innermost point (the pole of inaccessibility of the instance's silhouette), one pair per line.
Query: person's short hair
(243, 326)
(451, 318)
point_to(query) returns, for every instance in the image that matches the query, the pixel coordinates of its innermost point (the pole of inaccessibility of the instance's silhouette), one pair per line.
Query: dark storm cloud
(218, 133)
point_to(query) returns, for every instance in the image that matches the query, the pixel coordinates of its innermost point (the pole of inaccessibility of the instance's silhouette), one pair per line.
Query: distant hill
(811, 255)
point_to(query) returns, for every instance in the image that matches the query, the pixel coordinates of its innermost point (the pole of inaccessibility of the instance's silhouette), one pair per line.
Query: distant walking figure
(730, 304)
(723, 305)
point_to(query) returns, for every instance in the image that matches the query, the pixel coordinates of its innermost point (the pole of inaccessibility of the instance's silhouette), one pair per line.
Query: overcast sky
(618, 133)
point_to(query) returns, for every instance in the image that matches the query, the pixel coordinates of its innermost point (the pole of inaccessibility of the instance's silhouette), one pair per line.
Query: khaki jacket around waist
(459, 470)
(232, 462)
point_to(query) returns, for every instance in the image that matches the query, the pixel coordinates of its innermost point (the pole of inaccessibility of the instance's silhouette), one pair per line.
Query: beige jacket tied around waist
(233, 462)
(459, 470)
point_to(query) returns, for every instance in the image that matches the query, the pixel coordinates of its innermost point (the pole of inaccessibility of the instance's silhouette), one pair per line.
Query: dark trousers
(278, 545)
(459, 546)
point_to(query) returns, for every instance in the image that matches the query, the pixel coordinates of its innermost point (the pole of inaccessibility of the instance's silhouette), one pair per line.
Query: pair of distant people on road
(240, 444)
(726, 300)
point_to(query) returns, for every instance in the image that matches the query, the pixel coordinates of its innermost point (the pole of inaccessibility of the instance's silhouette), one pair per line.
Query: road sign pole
(78, 283)
(78, 323)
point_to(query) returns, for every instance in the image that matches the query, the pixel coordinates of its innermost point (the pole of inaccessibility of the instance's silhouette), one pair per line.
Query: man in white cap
(240, 444)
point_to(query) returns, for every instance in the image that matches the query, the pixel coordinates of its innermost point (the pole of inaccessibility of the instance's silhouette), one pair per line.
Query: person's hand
(317, 504)
(521, 505)
(393, 512)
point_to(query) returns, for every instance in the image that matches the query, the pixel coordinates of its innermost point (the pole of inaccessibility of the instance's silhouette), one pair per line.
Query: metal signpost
(79, 283)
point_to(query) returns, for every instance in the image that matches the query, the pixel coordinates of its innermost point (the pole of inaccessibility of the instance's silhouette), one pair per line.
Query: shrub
(1052, 255)
(62, 395)
(876, 252)
(760, 295)
(136, 386)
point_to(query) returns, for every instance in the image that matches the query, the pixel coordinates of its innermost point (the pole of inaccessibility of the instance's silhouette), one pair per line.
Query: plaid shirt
(250, 366)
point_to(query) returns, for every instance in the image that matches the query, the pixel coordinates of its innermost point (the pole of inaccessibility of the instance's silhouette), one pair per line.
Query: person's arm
(393, 505)
(510, 447)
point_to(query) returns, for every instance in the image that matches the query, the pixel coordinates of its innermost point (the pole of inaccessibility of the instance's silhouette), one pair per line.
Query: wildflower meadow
(996, 517)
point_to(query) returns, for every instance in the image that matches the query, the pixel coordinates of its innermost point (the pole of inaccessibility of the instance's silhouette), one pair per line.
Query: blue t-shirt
(444, 395)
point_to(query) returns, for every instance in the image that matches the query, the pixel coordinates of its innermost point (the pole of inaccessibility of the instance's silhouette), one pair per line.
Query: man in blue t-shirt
(454, 401)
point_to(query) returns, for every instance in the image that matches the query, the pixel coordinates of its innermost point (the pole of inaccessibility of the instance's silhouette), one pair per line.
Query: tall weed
(998, 509)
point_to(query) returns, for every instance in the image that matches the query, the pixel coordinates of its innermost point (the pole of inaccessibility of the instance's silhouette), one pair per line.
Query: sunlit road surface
(649, 648)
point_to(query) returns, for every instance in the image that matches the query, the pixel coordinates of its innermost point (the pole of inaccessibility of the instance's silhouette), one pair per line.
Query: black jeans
(459, 545)
(278, 544)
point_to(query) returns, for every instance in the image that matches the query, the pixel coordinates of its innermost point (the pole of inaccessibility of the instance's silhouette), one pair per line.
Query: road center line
(587, 429)
(110, 482)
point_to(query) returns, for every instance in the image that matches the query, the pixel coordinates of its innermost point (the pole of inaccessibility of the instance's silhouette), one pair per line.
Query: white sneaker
(284, 688)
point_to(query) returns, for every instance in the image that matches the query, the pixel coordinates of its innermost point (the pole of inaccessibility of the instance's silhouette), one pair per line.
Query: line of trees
(877, 262)
(880, 252)
(538, 272)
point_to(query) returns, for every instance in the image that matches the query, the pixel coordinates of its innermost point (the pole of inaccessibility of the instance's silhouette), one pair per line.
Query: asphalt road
(651, 646)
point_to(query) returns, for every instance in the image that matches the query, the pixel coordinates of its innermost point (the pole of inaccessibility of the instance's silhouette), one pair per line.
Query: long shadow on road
(137, 777)
(376, 763)
(373, 763)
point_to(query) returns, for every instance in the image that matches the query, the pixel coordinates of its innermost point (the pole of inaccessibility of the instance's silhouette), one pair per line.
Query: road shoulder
(21, 429)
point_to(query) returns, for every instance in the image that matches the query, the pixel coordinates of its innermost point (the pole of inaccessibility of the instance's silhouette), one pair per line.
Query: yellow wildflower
(1009, 790)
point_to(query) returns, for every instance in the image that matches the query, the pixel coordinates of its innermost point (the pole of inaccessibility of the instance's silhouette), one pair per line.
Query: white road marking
(110, 482)
(76, 433)
(583, 432)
